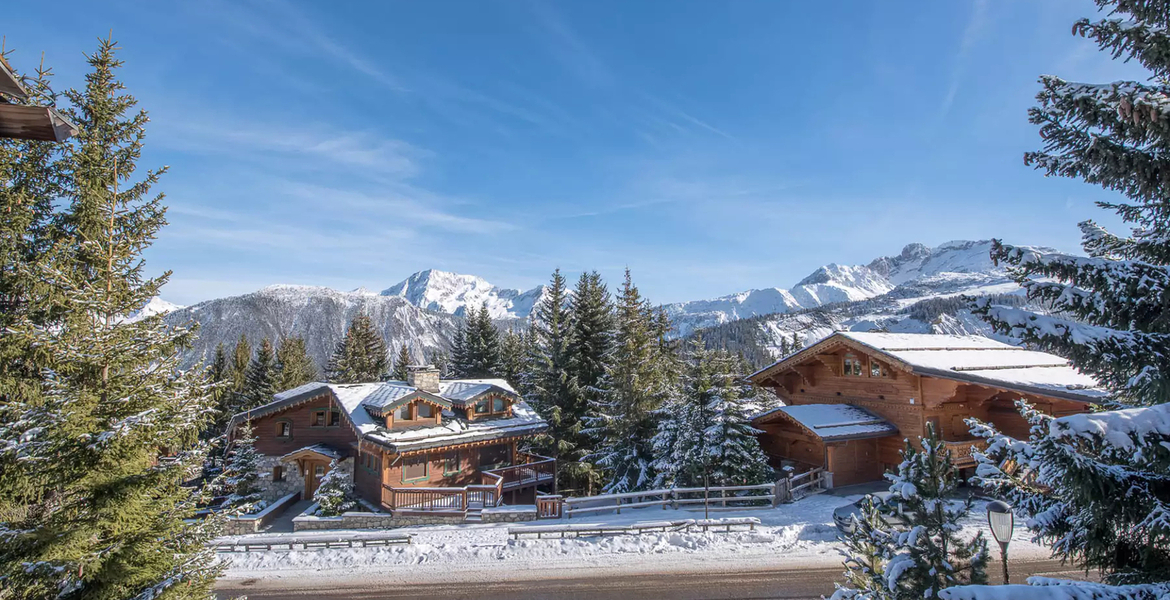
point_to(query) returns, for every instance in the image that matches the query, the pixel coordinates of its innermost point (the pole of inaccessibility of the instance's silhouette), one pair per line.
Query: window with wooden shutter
(414, 468)
(278, 473)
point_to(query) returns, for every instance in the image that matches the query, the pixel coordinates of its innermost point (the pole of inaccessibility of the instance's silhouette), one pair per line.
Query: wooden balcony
(961, 451)
(532, 469)
(489, 492)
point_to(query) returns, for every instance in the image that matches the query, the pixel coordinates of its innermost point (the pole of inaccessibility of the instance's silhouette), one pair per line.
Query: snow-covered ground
(798, 533)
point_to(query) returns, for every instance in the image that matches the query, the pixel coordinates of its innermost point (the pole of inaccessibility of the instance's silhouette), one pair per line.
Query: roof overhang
(309, 392)
(39, 123)
(519, 431)
(859, 424)
(384, 409)
(314, 451)
(835, 340)
(9, 82)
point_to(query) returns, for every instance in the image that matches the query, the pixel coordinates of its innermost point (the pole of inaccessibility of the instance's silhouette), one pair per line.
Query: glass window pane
(481, 407)
(497, 405)
(425, 411)
(402, 413)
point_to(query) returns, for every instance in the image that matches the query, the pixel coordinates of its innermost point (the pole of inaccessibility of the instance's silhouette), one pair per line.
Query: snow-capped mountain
(318, 314)
(155, 306)
(922, 272)
(454, 293)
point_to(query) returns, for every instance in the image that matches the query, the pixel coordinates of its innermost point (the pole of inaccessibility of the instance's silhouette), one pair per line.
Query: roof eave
(967, 377)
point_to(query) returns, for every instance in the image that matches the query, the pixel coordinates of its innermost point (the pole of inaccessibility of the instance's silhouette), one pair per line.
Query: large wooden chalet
(852, 398)
(415, 445)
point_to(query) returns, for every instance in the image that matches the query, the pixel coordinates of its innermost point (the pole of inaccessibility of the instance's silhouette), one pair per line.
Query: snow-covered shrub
(335, 494)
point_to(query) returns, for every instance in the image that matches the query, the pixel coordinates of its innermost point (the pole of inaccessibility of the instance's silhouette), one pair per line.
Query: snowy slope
(917, 272)
(454, 293)
(318, 314)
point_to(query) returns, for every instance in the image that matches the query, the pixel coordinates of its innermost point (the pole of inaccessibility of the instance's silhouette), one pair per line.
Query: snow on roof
(322, 449)
(837, 421)
(523, 421)
(460, 390)
(982, 360)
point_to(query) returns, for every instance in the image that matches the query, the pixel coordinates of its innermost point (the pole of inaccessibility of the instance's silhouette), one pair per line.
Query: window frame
(333, 418)
(426, 469)
(277, 473)
(855, 360)
(318, 412)
(447, 458)
(281, 425)
(418, 410)
(878, 369)
(405, 408)
(487, 407)
(503, 402)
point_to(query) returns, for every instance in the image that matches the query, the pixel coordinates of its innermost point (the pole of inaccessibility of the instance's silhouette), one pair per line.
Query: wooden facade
(309, 429)
(838, 370)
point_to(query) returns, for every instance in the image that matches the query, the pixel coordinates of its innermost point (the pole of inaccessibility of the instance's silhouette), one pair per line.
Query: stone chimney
(423, 377)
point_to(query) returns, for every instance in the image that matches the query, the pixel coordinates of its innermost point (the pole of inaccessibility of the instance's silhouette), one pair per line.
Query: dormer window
(852, 365)
(325, 418)
(402, 413)
(425, 411)
(498, 405)
(481, 407)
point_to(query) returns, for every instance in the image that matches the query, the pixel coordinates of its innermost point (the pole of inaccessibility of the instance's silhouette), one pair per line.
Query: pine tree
(591, 337)
(679, 442)
(546, 383)
(796, 344)
(294, 367)
(483, 346)
(442, 362)
(89, 507)
(733, 453)
(361, 356)
(400, 363)
(865, 552)
(458, 358)
(219, 376)
(623, 416)
(239, 482)
(1099, 496)
(260, 381)
(928, 555)
(514, 357)
(241, 357)
(335, 493)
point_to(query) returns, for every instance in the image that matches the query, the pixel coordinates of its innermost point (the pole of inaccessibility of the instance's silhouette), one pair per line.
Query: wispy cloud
(568, 47)
(976, 24)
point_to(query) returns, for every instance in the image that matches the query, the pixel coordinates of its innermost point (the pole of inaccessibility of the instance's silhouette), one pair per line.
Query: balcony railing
(488, 492)
(961, 451)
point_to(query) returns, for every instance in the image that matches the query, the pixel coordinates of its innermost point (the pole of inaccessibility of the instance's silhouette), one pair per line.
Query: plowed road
(790, 581)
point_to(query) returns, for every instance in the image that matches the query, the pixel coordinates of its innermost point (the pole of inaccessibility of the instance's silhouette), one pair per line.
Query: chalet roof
(967, 358)
(833, 422)
(42, 123)
(9, 83)
(324, 450)
(356, 399)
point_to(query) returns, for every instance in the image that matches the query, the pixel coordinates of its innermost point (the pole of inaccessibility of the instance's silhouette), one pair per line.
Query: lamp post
(1001, 520)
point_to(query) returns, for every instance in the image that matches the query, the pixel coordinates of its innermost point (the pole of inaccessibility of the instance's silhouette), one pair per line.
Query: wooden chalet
(852, 398)
(26, 121)
(418, 445)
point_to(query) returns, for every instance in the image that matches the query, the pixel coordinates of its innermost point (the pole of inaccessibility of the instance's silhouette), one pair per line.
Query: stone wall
(245, 524)
(509, 514)
(294, 480)
(306, 521)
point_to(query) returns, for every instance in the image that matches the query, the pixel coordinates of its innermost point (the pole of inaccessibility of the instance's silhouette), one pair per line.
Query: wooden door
(314, 472)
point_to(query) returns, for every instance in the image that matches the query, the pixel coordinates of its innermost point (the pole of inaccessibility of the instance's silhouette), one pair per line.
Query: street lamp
(1001, 520)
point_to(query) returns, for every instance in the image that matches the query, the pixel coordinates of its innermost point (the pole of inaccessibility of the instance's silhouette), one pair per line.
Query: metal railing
(534, 469)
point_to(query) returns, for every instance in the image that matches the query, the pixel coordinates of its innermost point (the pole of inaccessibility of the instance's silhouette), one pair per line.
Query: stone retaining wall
(245, 524)
(509, 514)
(368, 520)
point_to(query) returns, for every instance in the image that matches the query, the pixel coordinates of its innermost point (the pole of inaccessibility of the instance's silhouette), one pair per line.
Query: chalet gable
(963, 359)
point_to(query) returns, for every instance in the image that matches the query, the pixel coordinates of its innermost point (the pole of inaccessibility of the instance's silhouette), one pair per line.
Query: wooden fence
(563, 531)
(731, 497)
(258, 543)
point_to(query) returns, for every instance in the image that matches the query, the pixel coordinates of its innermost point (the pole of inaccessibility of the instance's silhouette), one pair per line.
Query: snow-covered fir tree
(482, 355)
(623, 416)
(99, 425)
(294, 367)
(401, 362)
(928, 555)
(866, 551)
(260, 380)
(590, 344)
(704, 432)
(241, 358)
(218, 373)
(239, 481)
(361, 356)
(1093, 486)
(546, 382)
(335, 493)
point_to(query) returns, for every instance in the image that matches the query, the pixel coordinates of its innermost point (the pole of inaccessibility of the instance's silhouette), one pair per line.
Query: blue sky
(710, 146)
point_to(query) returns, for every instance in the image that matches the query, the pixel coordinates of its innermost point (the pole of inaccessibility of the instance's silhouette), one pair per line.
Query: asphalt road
(788, 582)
